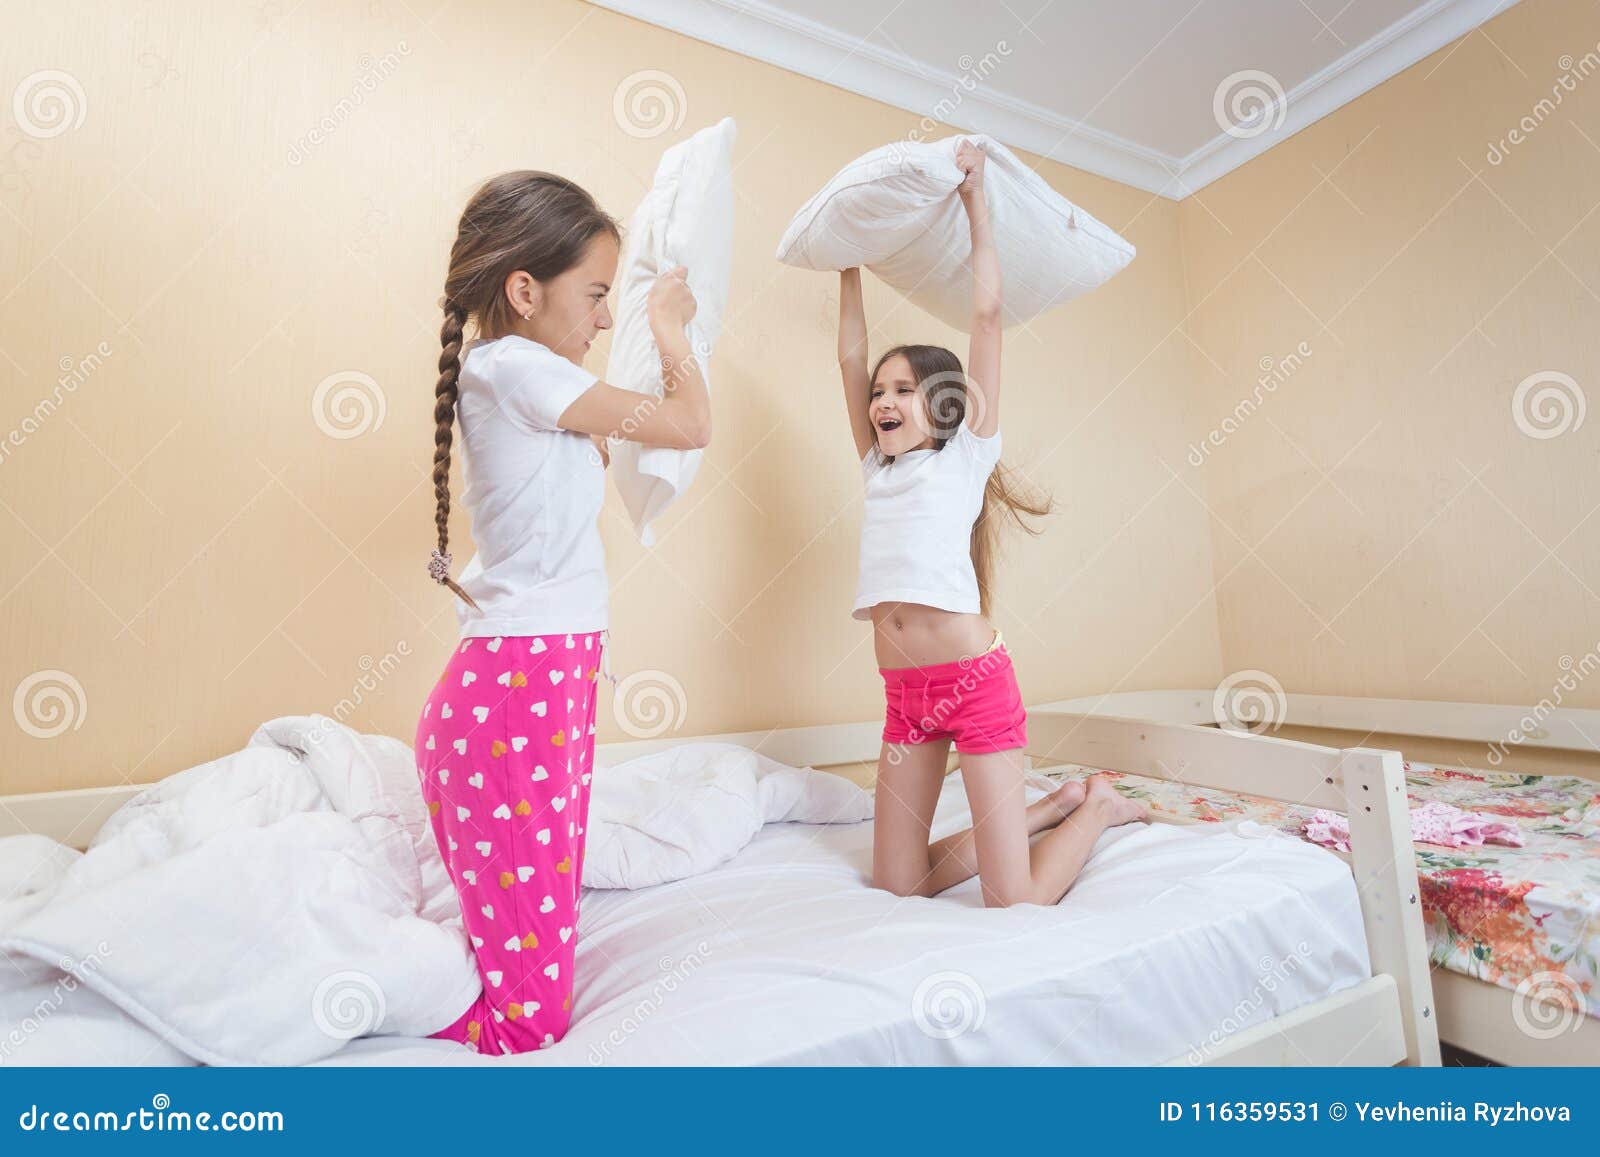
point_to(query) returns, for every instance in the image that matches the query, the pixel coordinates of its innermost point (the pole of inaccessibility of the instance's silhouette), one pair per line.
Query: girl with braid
(505, 743)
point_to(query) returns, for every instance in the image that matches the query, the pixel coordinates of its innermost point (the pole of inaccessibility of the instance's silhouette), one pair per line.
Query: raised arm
(983, 353)
(853, 358)
(681, 417)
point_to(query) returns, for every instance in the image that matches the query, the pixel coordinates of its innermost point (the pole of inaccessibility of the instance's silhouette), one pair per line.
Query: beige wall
(190, 547)
(1381, 522)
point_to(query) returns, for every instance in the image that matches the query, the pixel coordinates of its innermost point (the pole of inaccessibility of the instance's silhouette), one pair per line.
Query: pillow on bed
(896, 211)
(686, 219)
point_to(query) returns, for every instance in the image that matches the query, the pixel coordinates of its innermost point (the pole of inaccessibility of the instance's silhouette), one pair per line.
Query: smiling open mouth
(887, 424)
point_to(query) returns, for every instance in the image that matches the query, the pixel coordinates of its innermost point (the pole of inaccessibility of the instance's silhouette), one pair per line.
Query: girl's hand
(671, 305)
(970, 160)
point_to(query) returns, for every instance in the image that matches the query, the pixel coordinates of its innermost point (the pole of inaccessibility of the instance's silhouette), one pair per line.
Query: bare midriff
(913, 635)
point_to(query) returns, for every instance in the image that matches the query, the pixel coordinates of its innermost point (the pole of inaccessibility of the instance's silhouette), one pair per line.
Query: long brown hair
(946, 391)
(531, 221)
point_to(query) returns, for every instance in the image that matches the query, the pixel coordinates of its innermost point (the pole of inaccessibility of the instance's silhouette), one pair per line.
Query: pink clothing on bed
(1431, 823)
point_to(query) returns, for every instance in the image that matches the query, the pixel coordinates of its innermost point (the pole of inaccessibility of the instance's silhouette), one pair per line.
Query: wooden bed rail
(1365, 783)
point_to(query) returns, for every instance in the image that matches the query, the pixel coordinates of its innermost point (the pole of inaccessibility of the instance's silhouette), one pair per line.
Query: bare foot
(1118, 808)
(1062, 802)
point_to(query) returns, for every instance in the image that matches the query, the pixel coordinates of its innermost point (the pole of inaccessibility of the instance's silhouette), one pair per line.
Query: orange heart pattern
(500, 761)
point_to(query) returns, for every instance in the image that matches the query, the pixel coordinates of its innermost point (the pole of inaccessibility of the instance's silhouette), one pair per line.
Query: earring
(528, 316)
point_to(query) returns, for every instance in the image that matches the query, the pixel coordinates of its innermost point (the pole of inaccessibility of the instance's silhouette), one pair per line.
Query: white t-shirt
(916, 534)
(534, 492)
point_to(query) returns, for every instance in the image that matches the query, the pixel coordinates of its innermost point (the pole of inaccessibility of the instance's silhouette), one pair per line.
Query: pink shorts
(974, 701)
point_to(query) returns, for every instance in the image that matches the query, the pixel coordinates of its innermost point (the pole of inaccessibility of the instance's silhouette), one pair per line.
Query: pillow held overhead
(686, 218)
(896, 211)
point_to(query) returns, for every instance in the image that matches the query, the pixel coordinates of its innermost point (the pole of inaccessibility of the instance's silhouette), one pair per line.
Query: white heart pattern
(429, 744)
(501, 813)
(484, 847)
(495, 977)
(518, 742)
(552, 970)
(559, 802)
(445, 712)
(548, 904)
(538, 647)
(488, 911)
(543, 835)
(494, 647)
(444, 775)
(468, 678)
(566, 934)
(523, 872)
(462, 813)
(571, 642)
(539, 772)
(461, 746)
(470, 877)
(476, 780)
(481, 712)
(540, 708)
(556, 677)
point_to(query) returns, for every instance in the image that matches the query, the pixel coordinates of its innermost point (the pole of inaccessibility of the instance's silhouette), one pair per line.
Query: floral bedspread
(1525, 916)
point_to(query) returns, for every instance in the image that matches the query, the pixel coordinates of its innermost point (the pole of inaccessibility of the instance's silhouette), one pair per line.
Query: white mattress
(1171, 937)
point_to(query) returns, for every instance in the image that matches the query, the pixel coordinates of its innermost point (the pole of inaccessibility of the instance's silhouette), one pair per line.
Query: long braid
(444, 417)
(527, 220)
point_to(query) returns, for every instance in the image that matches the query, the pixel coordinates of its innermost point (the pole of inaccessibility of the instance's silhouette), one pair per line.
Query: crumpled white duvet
(267, 906)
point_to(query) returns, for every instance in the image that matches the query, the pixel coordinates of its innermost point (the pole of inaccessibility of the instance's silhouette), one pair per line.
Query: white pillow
(685, 219)
(896, 211)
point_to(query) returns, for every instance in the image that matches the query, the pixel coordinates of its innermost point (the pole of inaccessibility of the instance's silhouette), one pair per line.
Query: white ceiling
(1162, 94)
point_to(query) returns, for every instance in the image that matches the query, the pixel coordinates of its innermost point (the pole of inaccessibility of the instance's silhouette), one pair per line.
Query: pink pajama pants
(505, 750)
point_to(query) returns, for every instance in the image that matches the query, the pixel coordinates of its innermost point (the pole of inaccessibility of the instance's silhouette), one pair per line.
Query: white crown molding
(1415, 36)
(758, 30)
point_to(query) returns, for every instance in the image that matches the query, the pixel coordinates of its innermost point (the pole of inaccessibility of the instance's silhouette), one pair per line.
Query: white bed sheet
(1171, 937)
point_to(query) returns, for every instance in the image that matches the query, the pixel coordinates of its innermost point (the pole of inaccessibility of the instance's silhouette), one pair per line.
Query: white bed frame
(1386, 1020)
